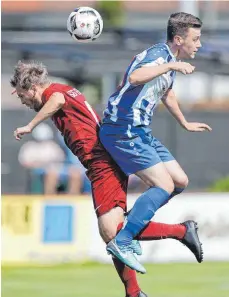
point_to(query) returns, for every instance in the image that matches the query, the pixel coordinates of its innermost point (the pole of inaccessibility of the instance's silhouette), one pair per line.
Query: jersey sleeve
(47, 95)
(151, 57)
(173, 74)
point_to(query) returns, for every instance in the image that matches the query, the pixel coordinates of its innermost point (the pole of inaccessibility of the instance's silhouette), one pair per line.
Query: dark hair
(180, 22)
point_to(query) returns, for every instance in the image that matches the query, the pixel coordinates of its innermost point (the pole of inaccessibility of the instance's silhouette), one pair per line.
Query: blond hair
(28, 74)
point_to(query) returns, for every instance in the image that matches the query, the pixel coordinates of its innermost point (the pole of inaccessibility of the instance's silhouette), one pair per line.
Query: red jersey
(77, 122)
(79, 125)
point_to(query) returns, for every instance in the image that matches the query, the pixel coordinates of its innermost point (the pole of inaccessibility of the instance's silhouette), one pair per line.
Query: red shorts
(109, 184)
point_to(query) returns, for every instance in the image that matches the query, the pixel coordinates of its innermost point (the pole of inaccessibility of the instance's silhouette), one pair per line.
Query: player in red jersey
(79, 125)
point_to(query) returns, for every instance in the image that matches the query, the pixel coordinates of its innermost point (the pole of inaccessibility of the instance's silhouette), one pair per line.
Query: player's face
(190, 44)
(28, 98)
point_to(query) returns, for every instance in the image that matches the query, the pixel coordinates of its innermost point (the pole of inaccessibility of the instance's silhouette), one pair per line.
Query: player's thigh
(132, 153)
(109, 222)
(158, 176)
(109, 191)
(162, 151)
(177, 174)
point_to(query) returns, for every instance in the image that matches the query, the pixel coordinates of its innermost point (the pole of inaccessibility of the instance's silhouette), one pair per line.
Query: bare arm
(170, 102)
(148, 73)
(55, 103)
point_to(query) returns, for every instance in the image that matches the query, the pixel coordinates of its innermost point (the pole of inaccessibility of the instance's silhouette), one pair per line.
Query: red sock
(128, 277)
(153, 231)
(156, 231)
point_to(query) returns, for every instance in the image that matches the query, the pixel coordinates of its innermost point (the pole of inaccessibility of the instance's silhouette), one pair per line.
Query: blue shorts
(134, 153)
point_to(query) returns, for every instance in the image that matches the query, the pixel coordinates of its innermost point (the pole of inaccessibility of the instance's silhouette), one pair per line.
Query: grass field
(97, 280)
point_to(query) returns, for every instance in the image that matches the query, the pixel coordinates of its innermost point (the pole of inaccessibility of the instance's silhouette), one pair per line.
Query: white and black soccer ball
(85, 24)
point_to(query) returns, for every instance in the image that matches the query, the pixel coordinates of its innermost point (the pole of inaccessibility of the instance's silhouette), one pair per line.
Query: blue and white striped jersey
(134, 105)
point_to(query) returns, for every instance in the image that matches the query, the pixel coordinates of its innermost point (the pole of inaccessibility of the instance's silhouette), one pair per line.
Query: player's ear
(178, 40)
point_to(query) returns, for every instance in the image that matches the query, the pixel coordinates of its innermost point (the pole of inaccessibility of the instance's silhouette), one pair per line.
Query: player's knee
(109, 223)
(107, 231)
(167, 184)
(182, 182)
(107, 235)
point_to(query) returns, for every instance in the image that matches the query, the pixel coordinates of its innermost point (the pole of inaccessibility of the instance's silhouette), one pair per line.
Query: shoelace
(135, 246)
(125, 248)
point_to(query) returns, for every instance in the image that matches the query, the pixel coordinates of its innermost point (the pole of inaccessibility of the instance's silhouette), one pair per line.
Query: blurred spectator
(52, 167)
(74, 171)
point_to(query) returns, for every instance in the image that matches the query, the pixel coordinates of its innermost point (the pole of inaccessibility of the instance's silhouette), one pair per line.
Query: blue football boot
(136, 247)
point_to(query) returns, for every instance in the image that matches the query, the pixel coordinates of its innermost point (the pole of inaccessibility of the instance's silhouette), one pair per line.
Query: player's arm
(171, 103)
(146, 73)
(55, 102)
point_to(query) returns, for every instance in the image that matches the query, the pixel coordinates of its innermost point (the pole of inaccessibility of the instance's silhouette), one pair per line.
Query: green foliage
(221, 185)
(112, 13)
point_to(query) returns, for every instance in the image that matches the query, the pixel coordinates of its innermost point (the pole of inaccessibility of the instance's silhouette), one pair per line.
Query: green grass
(97, 280)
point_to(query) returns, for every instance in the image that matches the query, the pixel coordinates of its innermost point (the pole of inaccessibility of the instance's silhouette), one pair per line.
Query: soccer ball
(85, 24)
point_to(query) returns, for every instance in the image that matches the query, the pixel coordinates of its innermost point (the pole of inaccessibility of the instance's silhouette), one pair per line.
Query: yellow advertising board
(38, 229)
(17, 215)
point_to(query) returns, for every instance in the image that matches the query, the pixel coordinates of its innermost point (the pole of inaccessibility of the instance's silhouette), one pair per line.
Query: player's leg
(135, 154)
(180, 179)
(108, 224)
(185, 232)
(109, 190)
(160, 188)
(177, 174)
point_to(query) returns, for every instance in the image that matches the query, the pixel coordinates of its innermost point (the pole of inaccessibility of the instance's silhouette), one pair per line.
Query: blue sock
(141, 213)
(176, 191)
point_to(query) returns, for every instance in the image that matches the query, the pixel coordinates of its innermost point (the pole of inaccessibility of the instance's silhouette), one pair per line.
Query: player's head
(29, 80)
(184, 31)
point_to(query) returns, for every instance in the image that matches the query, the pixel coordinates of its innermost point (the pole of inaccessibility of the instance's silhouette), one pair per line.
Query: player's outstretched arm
(147, 73)
(55, 103)
(170, 102)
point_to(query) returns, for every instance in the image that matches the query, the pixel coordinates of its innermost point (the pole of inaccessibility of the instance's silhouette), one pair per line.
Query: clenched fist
(19, 132)
(182, 67)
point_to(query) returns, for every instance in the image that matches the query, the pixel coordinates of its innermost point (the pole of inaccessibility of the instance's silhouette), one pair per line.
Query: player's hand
(182, 67)
(197, 127)
(19, 132)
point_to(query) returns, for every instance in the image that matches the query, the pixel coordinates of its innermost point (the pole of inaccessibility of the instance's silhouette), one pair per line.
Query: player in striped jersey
(126, 132)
